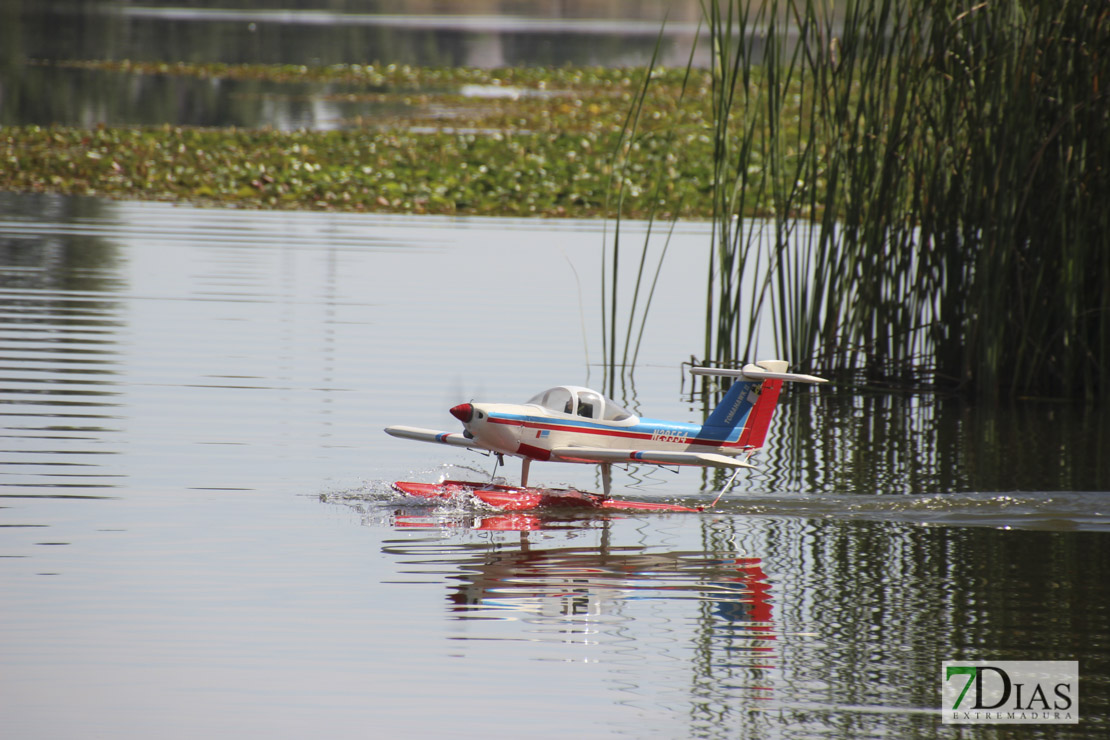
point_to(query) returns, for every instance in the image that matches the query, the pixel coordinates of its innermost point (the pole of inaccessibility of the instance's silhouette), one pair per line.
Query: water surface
(35, 36)
(198, 537)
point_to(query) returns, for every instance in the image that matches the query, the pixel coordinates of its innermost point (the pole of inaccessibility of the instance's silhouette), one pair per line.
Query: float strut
(498, 459)
(728, 485)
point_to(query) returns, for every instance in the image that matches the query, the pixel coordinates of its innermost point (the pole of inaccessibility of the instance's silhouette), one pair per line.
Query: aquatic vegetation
(907, 191)
(506, 173)
(934, 175)
(527, 141)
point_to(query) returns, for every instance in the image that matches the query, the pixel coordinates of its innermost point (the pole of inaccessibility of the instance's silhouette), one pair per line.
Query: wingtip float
(574, 424)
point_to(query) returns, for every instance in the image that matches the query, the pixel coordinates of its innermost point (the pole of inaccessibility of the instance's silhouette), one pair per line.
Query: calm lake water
(438, 33)
(198, 537)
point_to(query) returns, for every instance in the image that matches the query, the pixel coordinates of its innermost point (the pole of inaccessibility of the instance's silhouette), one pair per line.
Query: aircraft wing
(455, 439)
(654, 457)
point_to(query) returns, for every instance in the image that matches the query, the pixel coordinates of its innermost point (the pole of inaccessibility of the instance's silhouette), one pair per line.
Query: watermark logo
(1014, 692)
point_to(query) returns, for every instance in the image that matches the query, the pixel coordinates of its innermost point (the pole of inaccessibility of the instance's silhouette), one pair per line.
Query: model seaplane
(573, 424)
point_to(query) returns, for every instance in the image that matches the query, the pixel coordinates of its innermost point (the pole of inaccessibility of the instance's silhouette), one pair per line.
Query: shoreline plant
(906, 192)
(937, 211)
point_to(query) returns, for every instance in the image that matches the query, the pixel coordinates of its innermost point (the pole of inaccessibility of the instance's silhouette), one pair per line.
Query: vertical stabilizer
(755, 433)
(752, 398)
(759, 419)
(734, 408)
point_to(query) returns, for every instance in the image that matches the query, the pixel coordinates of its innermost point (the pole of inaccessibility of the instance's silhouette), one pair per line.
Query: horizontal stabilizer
(755, 372)
(654, 457)
(454, 439)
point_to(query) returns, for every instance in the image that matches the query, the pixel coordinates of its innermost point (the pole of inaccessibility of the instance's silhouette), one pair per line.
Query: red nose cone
(463, 412)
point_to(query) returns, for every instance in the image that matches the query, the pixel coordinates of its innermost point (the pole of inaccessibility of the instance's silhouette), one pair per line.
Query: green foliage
(903, 188)
(953, 158)
(530, 141)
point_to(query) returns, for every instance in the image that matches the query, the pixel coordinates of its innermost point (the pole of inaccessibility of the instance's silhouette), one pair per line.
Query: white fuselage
(532, 431)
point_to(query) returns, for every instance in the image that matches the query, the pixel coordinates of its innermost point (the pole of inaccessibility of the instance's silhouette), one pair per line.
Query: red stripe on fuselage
(692, 439)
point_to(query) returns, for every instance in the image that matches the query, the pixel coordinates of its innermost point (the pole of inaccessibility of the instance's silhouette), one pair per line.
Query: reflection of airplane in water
(571, 582)
(515, 521)
(576, 584)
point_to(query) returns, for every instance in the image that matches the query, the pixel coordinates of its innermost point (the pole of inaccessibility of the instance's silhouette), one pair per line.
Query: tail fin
(760, 419)
(734, 408)
(752, 399)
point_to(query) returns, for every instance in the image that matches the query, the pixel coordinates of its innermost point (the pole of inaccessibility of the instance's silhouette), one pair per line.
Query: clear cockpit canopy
(584, 402)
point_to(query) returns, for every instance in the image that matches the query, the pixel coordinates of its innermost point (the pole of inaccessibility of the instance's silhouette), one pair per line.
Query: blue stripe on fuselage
(645, 429)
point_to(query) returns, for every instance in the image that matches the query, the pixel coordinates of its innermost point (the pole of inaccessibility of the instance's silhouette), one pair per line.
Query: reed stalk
(938, 188)
(622, 158)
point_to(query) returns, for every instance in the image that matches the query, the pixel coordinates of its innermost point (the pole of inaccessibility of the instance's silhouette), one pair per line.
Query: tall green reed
(622, 159)
(937, 175)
